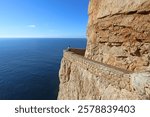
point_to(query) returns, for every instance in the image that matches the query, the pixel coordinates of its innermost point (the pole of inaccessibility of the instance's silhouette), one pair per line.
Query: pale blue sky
(43, 18)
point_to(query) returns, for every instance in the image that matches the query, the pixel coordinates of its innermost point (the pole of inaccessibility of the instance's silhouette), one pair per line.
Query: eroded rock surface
(119, 33)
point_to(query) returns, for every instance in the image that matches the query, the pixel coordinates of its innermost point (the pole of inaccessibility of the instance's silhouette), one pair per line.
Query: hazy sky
(43, 18)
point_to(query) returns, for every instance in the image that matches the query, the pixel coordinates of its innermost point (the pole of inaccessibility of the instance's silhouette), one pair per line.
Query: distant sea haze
(29, 67)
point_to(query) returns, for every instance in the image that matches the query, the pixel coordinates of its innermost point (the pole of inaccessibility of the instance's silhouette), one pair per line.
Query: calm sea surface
(29, 67)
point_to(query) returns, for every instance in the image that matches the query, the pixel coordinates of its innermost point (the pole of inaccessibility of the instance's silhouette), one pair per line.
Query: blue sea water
(29, 67)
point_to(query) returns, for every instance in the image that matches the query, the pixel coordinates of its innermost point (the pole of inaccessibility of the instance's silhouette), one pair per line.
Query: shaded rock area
(116, 62)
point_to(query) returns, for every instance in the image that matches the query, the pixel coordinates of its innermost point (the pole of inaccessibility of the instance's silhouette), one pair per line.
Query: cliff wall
(119, 33)
(116, 62)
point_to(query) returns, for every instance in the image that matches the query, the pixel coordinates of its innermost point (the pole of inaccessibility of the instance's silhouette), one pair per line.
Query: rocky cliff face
(116, 62)
(119, 33)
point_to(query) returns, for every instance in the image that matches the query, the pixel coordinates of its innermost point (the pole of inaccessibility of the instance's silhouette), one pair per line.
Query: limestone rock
(122, 28)
(141, 82)
(119, 94)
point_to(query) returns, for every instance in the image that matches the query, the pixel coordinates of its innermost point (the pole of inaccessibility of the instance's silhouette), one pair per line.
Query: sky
(43, 18)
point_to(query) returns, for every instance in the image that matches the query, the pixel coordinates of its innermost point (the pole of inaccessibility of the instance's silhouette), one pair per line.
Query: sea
(29, 67)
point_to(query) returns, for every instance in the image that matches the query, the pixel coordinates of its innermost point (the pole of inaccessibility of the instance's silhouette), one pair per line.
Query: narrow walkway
(77, 55)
